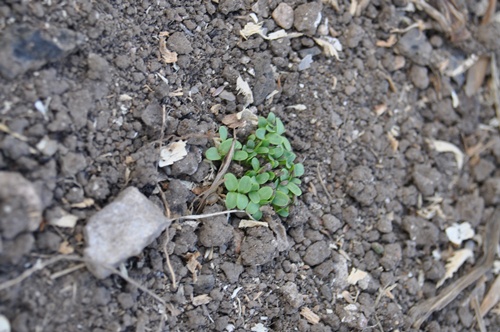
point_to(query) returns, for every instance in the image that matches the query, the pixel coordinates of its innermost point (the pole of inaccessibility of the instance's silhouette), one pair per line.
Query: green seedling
(272, 177)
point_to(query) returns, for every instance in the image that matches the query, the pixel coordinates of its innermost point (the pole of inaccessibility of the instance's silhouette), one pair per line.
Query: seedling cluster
(271, 178)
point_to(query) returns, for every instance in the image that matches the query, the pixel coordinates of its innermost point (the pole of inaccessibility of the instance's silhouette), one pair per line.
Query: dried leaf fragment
(387, 43)
(193, 264)
(245, 223)
(171, 153)
(457, 233)
(87, 202)
(166, 55)
(243, 88)
(491, 298)
(355, 276)
(67, 221)
(442, 146)
(201, 299)
(298, 107)
(241, 119)
(331, 46)
(454, 263)
(252, 29)
(65, 248)
(309, 315)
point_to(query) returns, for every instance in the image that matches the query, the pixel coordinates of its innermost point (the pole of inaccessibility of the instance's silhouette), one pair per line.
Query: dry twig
(422, 311)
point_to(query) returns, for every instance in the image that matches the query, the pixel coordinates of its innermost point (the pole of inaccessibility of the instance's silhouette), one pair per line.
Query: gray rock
(120, 230)
(20, 205)
(265, 82)
(14, 250)
(331, 223)
(259, 247)
(26, 49)
(352, 317)
(179, 43)
(226, 95)
(392, 256)
(126, 300)
(317, 253)
(470, 208)
(291, 295)
(491, 191)
(483, 169)
(283, 15)
(360, 185)
(307, 17)
(426, 179)
(98, 67)
(72, 163)
(215, 231)
(419, 76)
(229, 6)
(232, 271)
(415, 46)
(354, 35)
(384, 224)
(204, 284)
(189, 164)
(420, 230)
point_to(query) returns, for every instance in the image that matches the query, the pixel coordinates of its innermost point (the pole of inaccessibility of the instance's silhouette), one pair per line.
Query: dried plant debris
(255, 28)
(243, 88)
(355, 276)
(457, 233)
(309, 315)
(442, 146)
(166, 55)
(331, 46)
(66, 221)
(298, 107)
(492, 297)
(201, 299)
(241, 119)
(454, 263)
(171, 153)
(245, 223)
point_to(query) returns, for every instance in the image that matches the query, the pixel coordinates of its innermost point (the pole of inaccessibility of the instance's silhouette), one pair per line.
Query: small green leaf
(223, 133)
(298, 170)
(260, 133)
(230, 182)
(270, 128)
(240, 155)
(296, 181)
(262, 178)
(280, 128)
(245, 185)
(252, 208)
(255, 164)
(262, 150)
(213, 154)
(271, 117)
(277, 152)
(265, 193)
(225, 146)
(257, 215)
(254, 197)
(286, 144)
(284, 175)
(283, 212)
(281, 199)
(241, 201)
(262, 122)
(271, 175)
(250, 144)
(231, 198)
(294, 188)
(283, 188)
(238, 146)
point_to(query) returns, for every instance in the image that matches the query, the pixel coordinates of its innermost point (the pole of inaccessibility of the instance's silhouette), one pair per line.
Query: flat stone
(307, 17)
(415, 46)
(317, 253)
(120, 230)
(179, 43)
(24, 48)
(20, 205)
(283, 15)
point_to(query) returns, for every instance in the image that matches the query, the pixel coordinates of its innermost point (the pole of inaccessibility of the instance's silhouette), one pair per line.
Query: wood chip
(244, 223)
(491, 298)
(65, 248)
(87, 202)
(310, 316)
(166, 55)
(201, 299)
(454, 263)
(171, 153)
(355, 276)
(387, 43)
(66, 221)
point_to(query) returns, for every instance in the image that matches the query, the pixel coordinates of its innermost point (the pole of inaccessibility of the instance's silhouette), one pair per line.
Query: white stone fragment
(120, 230)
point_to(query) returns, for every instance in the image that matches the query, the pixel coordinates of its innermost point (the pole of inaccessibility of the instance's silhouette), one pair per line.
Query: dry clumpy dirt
(85, 97)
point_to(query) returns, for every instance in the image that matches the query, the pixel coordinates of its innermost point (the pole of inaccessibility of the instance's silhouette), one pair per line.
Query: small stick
(323, 184)
(477, 311)
(222, 171)
(67, 271)
(170, 269)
